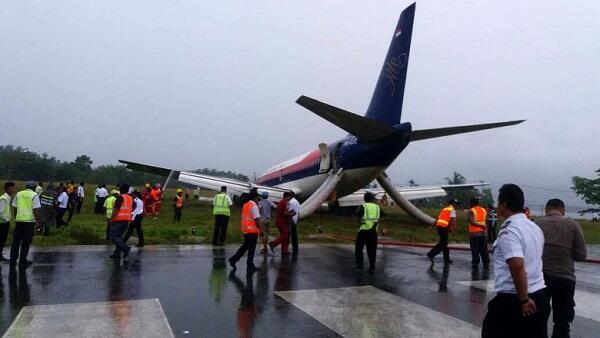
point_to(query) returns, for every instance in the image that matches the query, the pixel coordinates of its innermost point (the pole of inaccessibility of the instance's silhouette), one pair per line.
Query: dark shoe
(232, 264)
(126, 252)
(114, 256)
(430, 259)
(25, 264)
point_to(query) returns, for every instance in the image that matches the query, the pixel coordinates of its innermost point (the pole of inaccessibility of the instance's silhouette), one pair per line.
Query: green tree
(486, 197)
(587, 188)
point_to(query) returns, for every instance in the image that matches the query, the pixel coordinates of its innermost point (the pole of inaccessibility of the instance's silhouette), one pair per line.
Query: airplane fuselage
(361, 161)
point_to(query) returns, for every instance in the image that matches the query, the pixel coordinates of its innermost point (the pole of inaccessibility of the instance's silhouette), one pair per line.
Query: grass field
(89, 228)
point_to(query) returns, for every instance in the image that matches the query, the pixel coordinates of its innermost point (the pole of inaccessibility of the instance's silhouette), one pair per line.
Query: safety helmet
(147, 185)
(179, 190)
(114, 191)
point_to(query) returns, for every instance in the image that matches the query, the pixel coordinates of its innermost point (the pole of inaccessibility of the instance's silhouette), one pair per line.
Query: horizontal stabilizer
(424, 134)
(364, 128)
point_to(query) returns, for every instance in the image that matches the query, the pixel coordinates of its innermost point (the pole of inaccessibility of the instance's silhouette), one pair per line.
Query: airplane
(338, 171)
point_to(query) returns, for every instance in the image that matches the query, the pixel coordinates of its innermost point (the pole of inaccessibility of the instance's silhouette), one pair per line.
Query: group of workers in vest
(478, 226)
(152, 197)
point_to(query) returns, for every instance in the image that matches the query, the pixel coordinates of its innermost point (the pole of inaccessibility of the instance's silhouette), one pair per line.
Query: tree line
(19, 163)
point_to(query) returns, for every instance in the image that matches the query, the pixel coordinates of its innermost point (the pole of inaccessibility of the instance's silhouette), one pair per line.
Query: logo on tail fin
(392, 68)
(398, 32)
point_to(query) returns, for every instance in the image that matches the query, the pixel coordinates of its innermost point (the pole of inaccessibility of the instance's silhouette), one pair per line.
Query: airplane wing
(410, 193)
(234, 187)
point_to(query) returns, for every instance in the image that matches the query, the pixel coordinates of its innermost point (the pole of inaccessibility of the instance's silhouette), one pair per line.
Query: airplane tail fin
(386, 103)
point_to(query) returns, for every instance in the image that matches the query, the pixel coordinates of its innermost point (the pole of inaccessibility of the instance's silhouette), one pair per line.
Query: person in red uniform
(281, 221)
(157, 199)
(148, 201)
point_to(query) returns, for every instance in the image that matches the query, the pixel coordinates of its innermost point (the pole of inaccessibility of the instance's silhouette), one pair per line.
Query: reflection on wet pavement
(201, 298)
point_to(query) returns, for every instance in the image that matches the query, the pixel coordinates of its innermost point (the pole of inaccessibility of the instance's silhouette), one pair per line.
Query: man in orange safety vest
(250, 227)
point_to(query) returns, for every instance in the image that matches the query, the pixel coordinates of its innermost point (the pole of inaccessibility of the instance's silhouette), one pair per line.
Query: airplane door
(325, 158)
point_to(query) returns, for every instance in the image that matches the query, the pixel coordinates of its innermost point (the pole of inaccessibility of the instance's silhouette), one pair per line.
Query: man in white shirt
(80, 197)
(63, 204)
(294, 206)
(520, 308)
(264, 207)
(136, 219)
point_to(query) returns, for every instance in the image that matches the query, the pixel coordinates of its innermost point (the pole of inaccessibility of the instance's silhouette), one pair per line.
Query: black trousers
(368, 238)
(116, 235)
(220, 231)
(293, 237)
(177, 215)
(71, 210)
(78, 204)
(504, 317)
(108, 229)
(60, 214)
(248, 245)
(99, 209)
(137, 225)
(22, 237)
(479, 250)
(561, 292)
(4, 227)
(442, 245)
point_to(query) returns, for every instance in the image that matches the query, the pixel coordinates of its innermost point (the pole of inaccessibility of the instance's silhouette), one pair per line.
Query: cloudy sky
(191, 84)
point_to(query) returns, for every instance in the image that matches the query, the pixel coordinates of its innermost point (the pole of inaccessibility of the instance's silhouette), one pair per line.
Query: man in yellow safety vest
(27, 204)
(367, 234)
(221, 204)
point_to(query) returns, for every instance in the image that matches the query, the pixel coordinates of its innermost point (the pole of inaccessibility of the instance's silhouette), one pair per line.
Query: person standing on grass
(221, 204)
(137, 216)
(48, 210)
(102, 195)
(40, 188)
(5, 215)
(27, 203)
(177, 206)
(109, 204)
(73, 200)
(80, 197)
(564, 244)
(63, 204)
(121, 216)
(264, 207)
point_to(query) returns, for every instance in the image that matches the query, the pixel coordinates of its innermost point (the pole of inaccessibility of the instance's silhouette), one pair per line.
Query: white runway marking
(135, 318)
(587, 304)
(366, 311)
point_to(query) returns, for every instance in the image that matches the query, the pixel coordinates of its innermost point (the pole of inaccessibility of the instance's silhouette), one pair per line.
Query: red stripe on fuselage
(312, 158)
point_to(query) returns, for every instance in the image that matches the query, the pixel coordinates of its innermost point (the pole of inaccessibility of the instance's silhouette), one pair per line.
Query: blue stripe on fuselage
(355, 154)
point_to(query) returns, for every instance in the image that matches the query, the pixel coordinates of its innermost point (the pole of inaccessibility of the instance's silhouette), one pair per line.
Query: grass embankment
(89, 228)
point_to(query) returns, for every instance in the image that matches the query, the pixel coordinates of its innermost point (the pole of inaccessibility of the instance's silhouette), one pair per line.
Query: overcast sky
(191, 84)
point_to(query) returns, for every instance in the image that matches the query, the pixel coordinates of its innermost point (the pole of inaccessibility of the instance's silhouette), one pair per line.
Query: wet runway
(188, 291)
